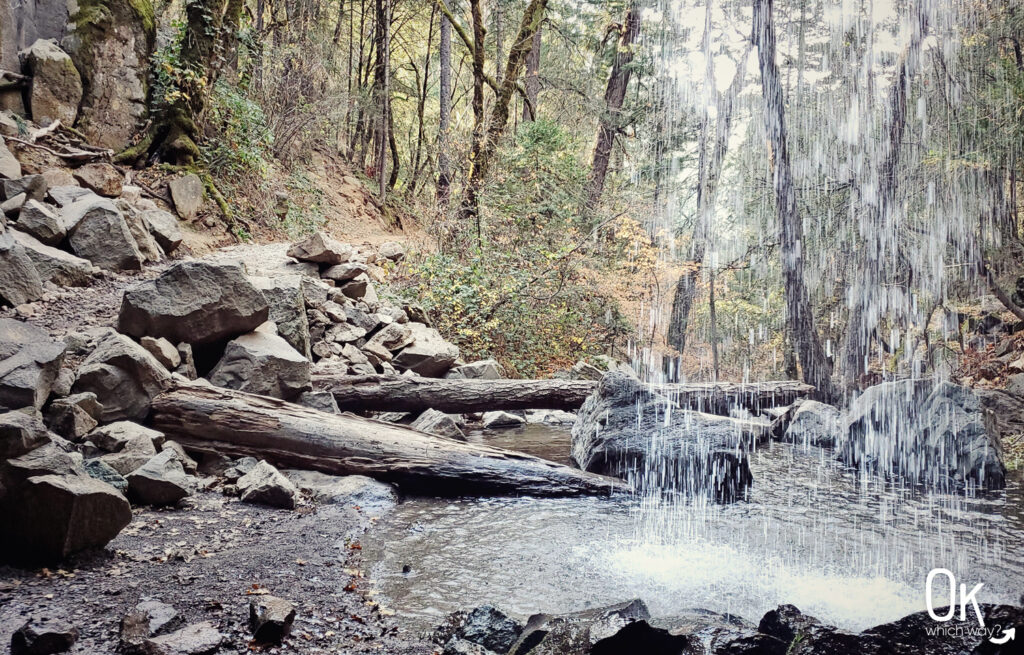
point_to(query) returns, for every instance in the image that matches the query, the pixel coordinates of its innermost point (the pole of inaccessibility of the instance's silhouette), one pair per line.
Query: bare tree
(444, 123)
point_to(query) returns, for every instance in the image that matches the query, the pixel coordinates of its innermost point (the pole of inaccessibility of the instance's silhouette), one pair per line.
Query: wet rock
(608, 630)
(814, 424)
(53, 516)
(915, 633)
(284, 295)
(786, 623)
(438, 423)
(42, 222)
(10, 168)
(44, 635)
(19, 280)
(163, 350)
(98, 232)
(164, 227)
(463, 647)
(187, 194)
(21, 432)
(348, 490)
(74, 416)
(196, 639)
(550, 417)
(321, 249)
(160, 481)
(429, 355)
(935, 434)
(100, 470)
(499, 419)
(265, 485)
(484, 626)
(124, 377)
(322, 401)
(270, 618)
(150, 618)
(55, 265)
(29, 363)
(194, 302)
(262, 363)
(699, 453)
(100, 177)
(485, 369)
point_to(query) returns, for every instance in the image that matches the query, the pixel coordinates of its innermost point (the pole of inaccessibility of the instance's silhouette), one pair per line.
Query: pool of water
(854, 552)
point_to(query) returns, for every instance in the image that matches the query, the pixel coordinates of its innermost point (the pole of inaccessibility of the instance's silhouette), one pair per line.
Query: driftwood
(378, 393)
(210, 419)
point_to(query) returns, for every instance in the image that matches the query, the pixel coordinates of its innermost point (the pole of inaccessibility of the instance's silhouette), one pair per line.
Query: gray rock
(124, 377)
(196, 639)
(147, 245)
(270, 618)
(160, 481)
(101, 177)
(188, 362)
(135, 454)
(20, 433)
(284, 294)
(33, 186)
(550, 417)
(187, 193)
(164, 351)
(321, 249)
(344, 333)
(485, 369)
(44, 635)
(55, 265)
(53, 516)
(499, 419)
(344, 272)
(67, 194)
(391, 250)
(349, 490)
(115, 437)
(265, 485)
(429, 355)
(194, 302)
(164, 227)
(29, 363)
(74, 416)
(619, 628)
(392, 337)
(12, 206)
(10, 168)
(190, 465)
(322, 401)
(814, 424)
(457, 646)
(240, 467)
(55, 457)
(484, 626)
(100, 470)
(623, 429)
(438, 423)
(360, 288)
(42, 222)
(98, 232)
(361, 319)
(262, 363)
(934, 434)
(150, 618)
(19, 280)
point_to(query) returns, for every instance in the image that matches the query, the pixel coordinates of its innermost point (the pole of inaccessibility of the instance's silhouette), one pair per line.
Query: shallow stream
(853, 552)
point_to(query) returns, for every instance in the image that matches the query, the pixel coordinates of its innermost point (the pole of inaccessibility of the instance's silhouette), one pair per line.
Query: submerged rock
(625, 430)
(933, 434)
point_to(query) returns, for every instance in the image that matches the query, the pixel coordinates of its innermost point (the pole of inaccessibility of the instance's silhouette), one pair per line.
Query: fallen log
(211, 419)
(380, 393)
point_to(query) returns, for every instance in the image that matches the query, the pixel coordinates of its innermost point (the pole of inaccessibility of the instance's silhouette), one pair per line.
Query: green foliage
(493, 306)
(243, 145)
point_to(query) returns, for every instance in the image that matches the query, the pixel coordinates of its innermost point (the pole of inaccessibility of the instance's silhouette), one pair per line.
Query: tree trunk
(234, 423)
(614, 95)
(817, 369)
(382, 95)
(376, 393)
(444, 124)
(532, 84)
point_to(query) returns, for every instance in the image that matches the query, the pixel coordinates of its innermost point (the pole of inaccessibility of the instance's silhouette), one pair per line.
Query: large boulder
(627, 431)
(19, 280)
(53, 516)
(263, 363)
(934, 434)
(56, 265)
(160, 481)
(194, 302)
(124, 376)
(42, 222)
(321, 249)
(111, 43)
(813, 424)
(265, 485)
(20, 433)
(287, 303)
(101, 177)
(429, 355)
(439, 423)
(56, 88)
(29, 364)
(98, 232)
